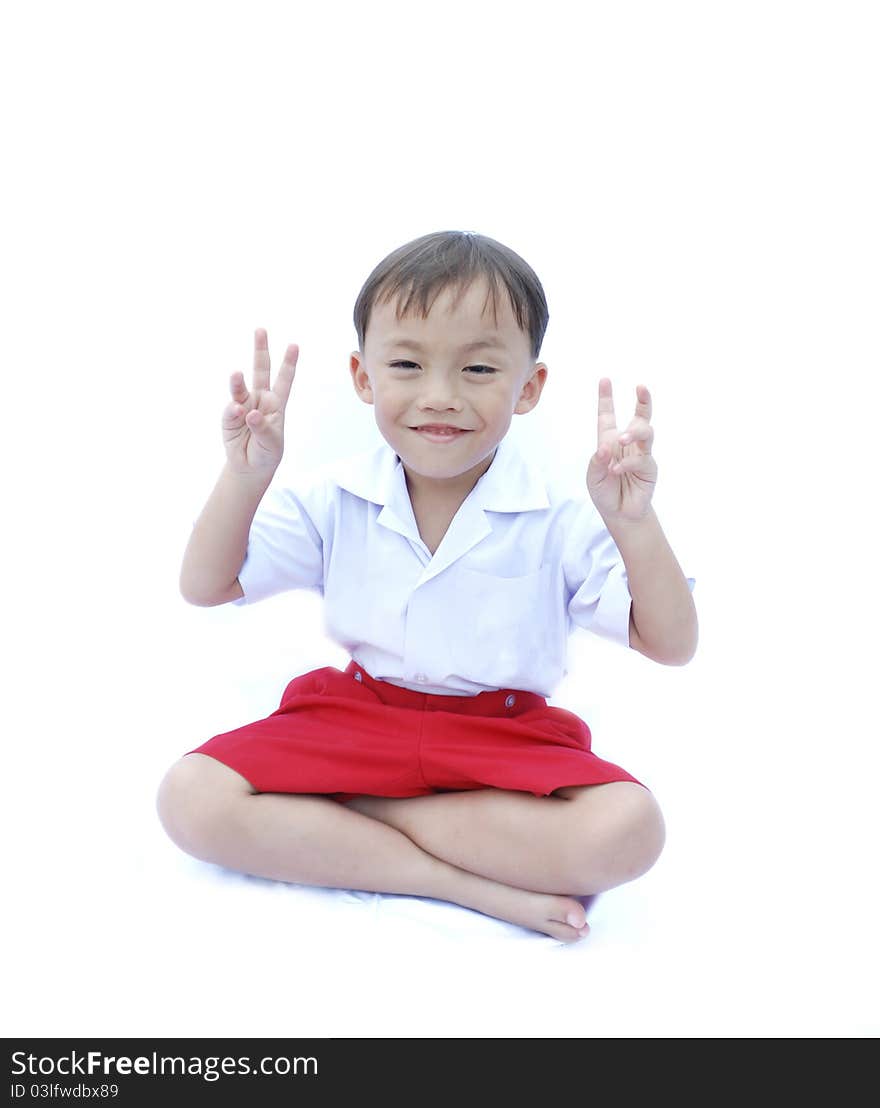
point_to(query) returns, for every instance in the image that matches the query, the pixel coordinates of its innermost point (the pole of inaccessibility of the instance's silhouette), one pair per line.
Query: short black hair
(421, 269)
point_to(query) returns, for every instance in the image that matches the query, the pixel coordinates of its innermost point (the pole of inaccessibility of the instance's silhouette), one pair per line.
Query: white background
(696, 185)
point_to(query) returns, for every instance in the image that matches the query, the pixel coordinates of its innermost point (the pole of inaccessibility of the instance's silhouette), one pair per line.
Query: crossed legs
(507, 854)
(581, 839)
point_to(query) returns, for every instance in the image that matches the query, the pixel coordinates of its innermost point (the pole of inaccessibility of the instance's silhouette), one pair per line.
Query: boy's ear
(531, 390)
(360, 378)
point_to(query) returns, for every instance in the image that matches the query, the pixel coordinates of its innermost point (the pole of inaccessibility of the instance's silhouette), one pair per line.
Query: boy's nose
(436, 407)
(439, 399)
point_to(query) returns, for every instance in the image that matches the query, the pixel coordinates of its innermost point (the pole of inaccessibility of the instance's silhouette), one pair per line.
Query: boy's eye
(487, 368)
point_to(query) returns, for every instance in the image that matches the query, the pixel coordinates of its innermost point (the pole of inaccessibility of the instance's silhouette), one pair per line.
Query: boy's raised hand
(253, 424)
(622, 473)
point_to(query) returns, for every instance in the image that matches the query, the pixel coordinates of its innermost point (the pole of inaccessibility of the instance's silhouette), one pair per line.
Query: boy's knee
(624, 834)
(647, 829)
(193, 801)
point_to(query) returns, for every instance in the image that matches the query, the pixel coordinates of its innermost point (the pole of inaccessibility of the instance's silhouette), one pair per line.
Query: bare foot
(542, 912)
(561, 917)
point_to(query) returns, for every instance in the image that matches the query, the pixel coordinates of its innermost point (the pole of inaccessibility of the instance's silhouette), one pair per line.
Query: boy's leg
(580, 839)
(213, 813)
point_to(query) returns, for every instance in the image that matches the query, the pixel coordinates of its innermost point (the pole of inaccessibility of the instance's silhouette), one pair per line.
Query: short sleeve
(598, 593)
(285, 544)
(595, 578)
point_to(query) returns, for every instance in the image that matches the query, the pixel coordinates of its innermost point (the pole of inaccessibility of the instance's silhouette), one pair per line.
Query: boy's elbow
(189, 594)
(193, 596)
(670, 655)
(668, 659)
(203, 599)
(682, 656)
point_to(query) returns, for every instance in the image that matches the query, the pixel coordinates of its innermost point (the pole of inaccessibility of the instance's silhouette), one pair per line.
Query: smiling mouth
(439, 434)
(440, 429)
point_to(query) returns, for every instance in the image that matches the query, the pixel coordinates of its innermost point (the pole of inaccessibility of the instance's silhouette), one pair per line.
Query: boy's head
(419, 318)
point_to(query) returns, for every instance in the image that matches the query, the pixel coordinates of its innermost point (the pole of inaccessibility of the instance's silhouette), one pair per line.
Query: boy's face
(439, 381)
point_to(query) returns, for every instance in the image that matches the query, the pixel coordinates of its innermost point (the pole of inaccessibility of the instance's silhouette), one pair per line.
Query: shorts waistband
(500, 702)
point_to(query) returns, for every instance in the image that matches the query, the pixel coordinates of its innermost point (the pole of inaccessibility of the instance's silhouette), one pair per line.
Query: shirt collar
(511, 483)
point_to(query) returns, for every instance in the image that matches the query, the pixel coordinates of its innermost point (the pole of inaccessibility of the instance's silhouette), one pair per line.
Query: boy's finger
(643, 403)
(261, 359)
(266, 434)
(607, 421)
(262, 428)
(642, 433)
(238, 388)
(233, 414)
(286, 374)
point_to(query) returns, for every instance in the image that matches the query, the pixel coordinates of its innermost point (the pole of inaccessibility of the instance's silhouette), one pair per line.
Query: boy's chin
(444, 469)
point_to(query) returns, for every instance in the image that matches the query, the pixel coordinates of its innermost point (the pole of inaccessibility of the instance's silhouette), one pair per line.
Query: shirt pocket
(508, 626)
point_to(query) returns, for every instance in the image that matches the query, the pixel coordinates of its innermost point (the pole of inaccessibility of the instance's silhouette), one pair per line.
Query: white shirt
(521, 564)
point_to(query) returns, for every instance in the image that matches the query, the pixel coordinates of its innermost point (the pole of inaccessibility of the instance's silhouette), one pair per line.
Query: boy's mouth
(440, 432)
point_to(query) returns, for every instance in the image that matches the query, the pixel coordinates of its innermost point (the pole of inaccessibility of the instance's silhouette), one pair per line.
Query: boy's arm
(663, 617)
(218, 544)
(621, 477)
(253, 437)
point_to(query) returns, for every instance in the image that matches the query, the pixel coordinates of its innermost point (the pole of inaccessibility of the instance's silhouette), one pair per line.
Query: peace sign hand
(622, 473)
(253, 424)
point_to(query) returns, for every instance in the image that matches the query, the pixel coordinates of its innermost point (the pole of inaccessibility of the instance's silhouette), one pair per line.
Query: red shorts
(347, 734)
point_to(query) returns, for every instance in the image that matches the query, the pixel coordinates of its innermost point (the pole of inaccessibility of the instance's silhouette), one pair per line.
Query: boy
(433, 765)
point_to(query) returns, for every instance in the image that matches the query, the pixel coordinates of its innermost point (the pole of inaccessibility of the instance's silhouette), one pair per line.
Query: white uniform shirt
(521, 564)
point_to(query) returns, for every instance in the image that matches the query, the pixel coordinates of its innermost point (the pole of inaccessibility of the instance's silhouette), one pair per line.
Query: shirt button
(422, 678)
(509, 703)
(357, 675)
